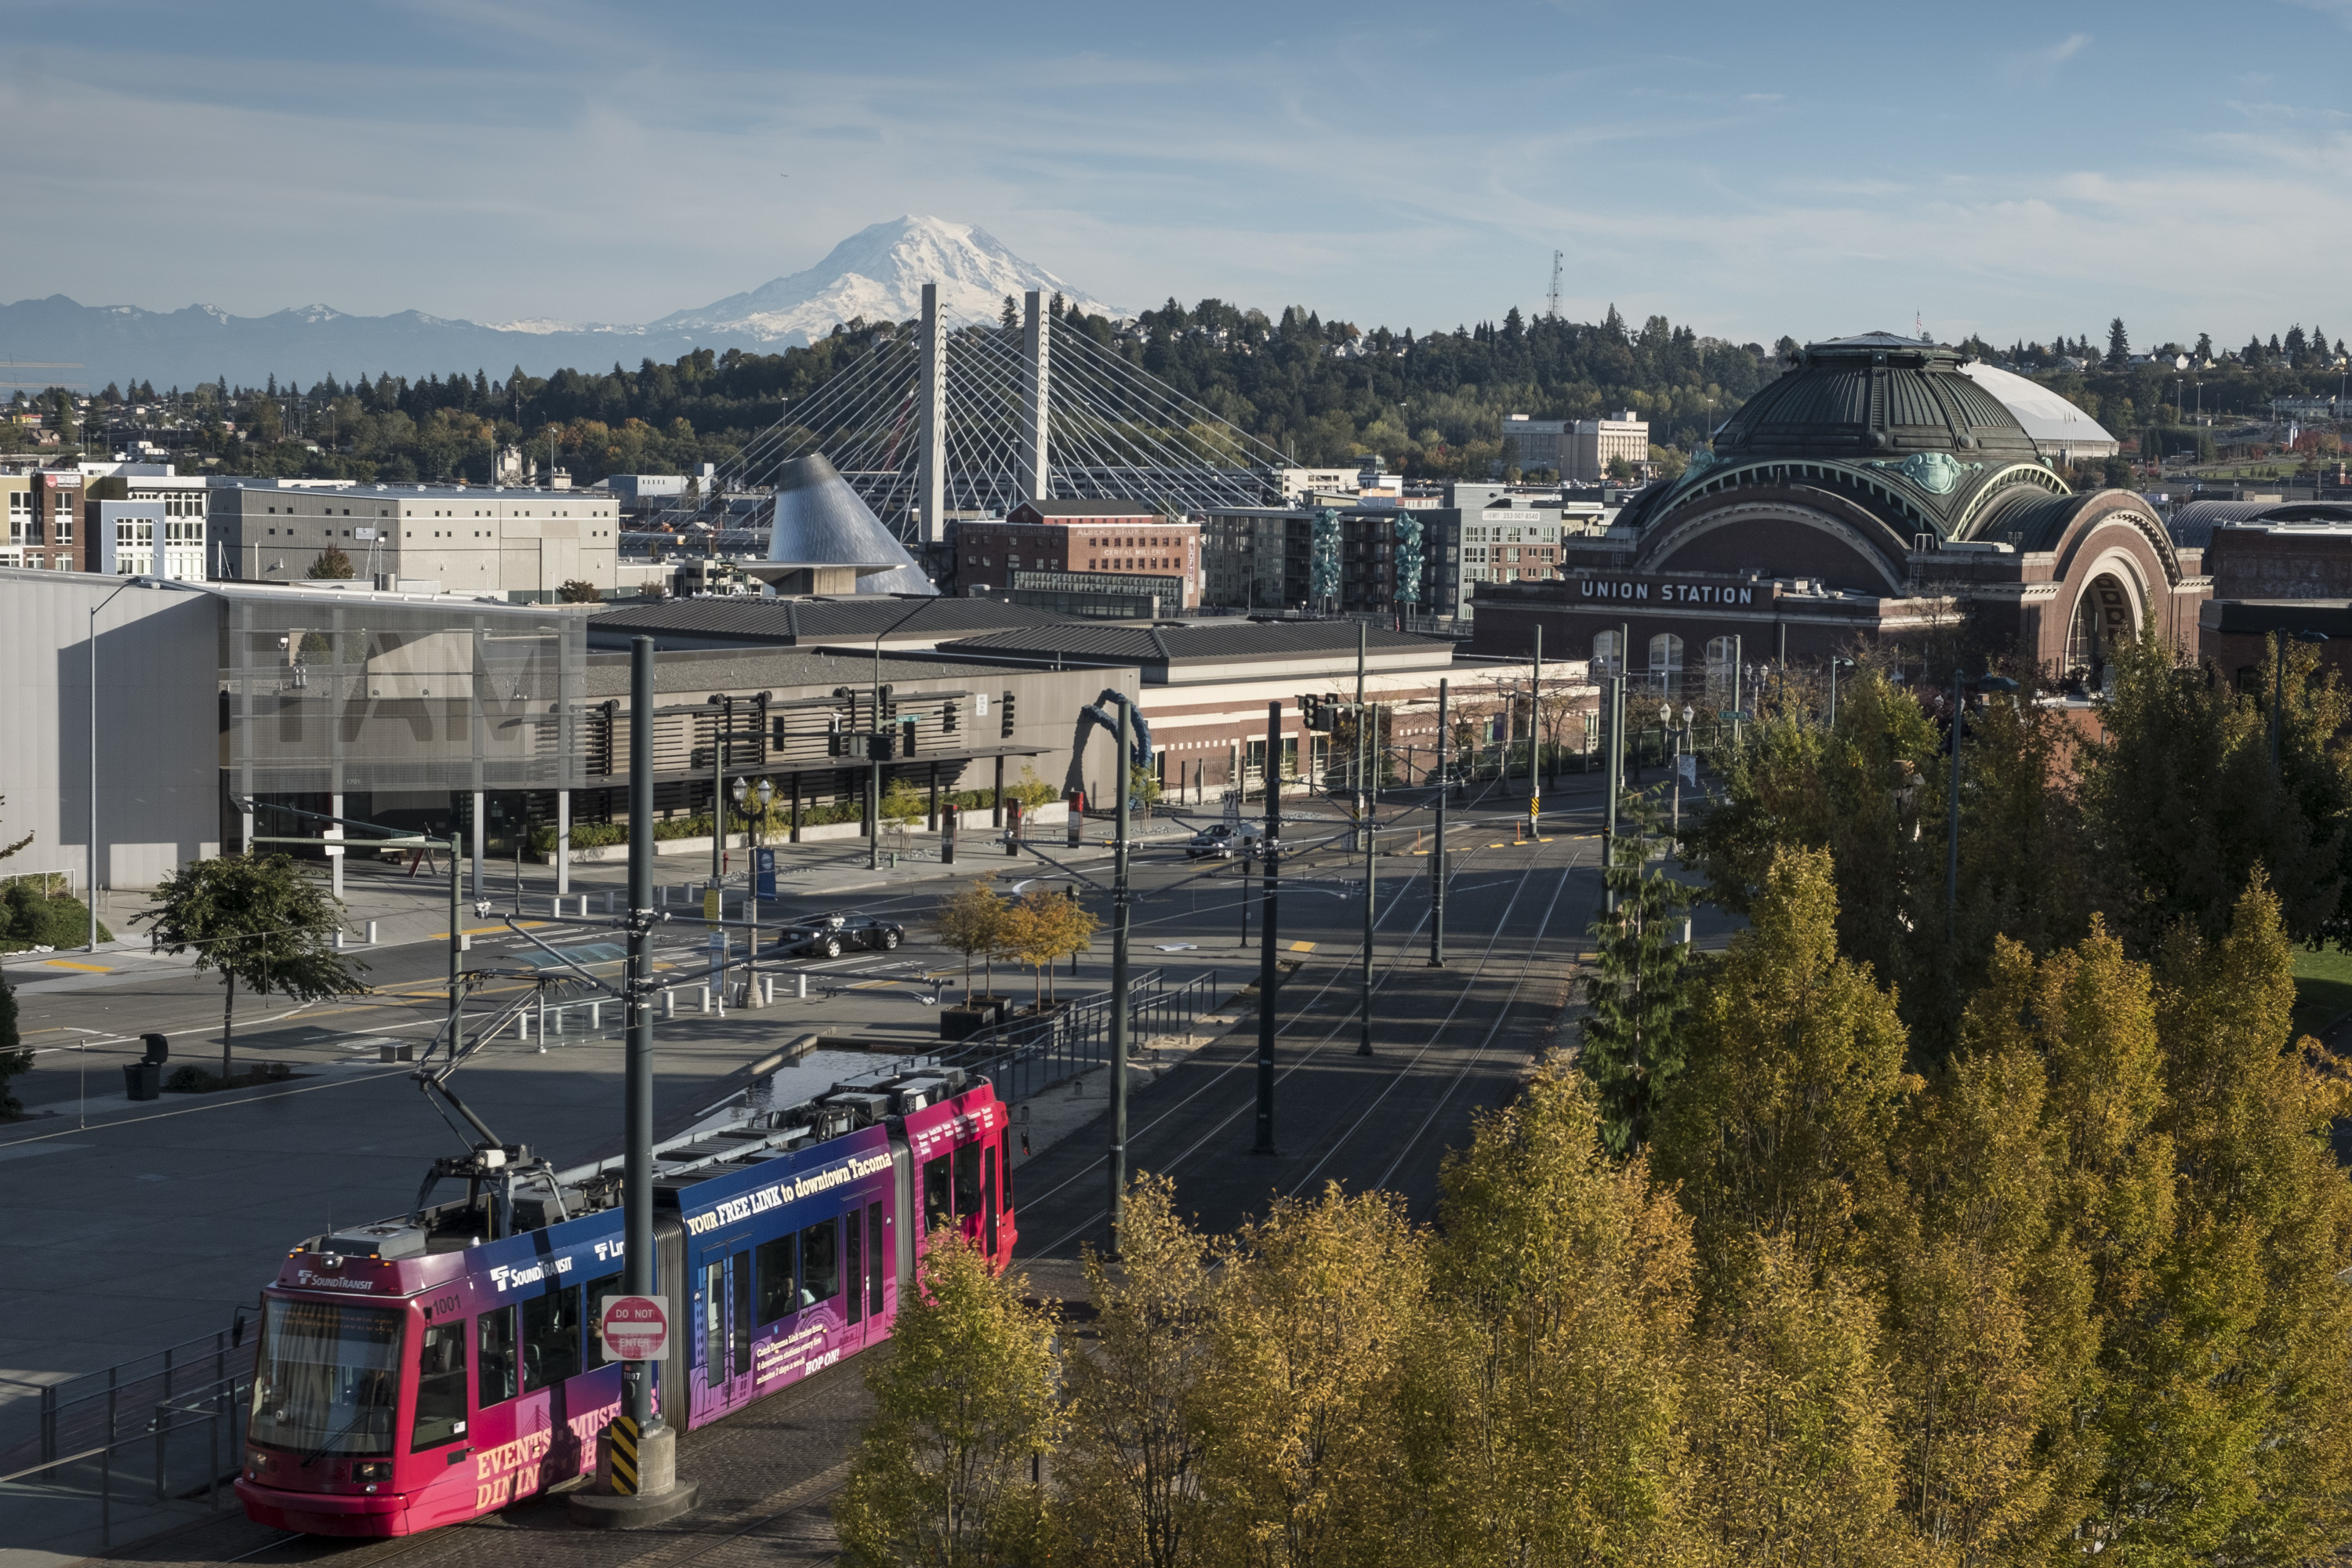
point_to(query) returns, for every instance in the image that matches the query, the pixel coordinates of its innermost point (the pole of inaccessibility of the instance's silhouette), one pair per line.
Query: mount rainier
(876, 273)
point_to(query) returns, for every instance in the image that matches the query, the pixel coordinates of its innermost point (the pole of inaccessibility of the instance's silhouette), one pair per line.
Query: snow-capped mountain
(876, 273)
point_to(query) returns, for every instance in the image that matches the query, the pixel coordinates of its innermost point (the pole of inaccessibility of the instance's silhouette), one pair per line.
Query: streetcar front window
(327, 1380)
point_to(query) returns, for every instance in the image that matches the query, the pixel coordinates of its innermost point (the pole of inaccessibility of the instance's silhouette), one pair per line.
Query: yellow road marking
(489, 931)
(69, 964)
(1302, 947)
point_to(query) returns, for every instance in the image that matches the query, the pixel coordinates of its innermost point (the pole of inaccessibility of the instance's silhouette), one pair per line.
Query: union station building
(1877, 492)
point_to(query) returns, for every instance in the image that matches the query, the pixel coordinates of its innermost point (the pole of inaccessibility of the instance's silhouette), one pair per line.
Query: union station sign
(1668, 590)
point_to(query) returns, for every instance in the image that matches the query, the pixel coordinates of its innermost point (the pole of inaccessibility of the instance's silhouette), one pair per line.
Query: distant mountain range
(876, 273)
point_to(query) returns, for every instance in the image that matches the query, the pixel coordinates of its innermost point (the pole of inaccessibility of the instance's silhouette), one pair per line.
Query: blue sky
(2014, 169)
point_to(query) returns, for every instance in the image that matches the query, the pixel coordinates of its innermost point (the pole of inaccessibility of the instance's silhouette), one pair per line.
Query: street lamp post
(90, 875)
(1836, 660)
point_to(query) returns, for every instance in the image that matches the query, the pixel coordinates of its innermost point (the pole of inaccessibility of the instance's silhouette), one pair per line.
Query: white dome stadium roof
(2049, 418)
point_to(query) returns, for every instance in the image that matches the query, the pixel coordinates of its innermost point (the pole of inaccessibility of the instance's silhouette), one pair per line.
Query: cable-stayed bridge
(940, 423)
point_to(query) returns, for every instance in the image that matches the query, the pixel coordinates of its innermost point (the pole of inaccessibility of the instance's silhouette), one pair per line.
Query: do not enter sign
(636, 1327)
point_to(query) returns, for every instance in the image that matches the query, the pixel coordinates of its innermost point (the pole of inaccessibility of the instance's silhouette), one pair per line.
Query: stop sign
(636, 1327)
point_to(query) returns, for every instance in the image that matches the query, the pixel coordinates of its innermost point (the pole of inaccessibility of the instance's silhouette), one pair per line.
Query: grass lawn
(2323, 987)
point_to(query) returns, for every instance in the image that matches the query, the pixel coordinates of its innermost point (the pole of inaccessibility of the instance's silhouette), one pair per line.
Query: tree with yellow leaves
(1130, 1469)
(1043, 927)
(964, 1406)
(1794, 1078)
(971, 920)
(1317, 1311)
(1793, 1459)
(1545, 1420)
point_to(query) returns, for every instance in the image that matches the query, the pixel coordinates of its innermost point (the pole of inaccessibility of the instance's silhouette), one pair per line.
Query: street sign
(1232, 808)
(636, 1327)
(710, 907)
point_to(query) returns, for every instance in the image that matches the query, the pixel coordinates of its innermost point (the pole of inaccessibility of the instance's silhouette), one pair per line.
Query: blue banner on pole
(763, 871)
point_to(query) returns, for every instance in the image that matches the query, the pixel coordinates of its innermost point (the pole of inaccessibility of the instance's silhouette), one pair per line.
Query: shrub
(29, 918)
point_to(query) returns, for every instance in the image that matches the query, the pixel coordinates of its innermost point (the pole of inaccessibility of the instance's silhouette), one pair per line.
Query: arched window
(1667, 654)
(1607, 657)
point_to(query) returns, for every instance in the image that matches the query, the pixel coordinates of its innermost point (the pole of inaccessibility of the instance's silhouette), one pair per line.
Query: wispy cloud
(2050, 57)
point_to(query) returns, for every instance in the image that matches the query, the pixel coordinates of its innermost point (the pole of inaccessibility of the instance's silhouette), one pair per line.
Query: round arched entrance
(2106, 615)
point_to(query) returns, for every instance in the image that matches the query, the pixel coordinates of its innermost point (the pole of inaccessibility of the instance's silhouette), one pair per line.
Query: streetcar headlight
(371, 1470)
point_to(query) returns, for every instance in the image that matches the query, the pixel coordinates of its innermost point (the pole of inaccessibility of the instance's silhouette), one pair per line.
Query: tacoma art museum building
(1881, 490)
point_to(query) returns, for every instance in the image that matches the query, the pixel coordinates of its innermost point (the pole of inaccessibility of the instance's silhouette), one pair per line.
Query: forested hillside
(1325, 391)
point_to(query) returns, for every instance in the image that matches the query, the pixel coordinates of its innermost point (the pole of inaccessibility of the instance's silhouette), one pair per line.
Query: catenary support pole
(1271, 884)
(1364, 1040)
(637, 1086)
(1437, 849)
(1612, 779)
(1119, 990)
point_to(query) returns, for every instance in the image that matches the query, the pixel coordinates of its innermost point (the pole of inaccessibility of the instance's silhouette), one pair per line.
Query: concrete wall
(158, 726)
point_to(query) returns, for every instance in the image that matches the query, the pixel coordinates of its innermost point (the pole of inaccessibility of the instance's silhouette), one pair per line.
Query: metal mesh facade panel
(401, 695)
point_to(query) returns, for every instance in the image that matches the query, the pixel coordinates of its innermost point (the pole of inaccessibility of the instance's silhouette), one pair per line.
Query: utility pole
(1364, 1042)
(1437, 849)
(1272, 884)
(651, 1492)
(1119, 1003)
(1614, 776)
(1359, 726)
(1535, 742)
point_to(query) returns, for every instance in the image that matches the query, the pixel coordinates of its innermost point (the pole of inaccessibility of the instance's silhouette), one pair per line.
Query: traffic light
(1311, 706)
(948, 718)
(1004, 718)
(879, 746)
(907, 733)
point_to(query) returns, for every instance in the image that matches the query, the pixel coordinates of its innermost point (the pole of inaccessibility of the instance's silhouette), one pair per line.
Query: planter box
(962, 1023)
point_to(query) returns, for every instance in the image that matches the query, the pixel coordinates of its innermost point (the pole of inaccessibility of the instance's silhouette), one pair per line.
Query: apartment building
(1578, 451)
(1116, 547)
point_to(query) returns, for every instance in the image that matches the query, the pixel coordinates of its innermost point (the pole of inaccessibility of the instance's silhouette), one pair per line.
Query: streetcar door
(739, 1326)
(988, 1200)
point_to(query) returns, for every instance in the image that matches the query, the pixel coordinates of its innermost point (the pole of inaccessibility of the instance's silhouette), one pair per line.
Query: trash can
(141, 1080)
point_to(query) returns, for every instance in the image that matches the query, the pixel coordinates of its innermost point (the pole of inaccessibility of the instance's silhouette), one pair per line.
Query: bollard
(338, 938)
(583, 906)
(706, 999)
(595, 1015)
(768, 989)
(555, 905)
(371, 933)
(670, 1002)
(608, 900)
(555, 1016)
(800, 987)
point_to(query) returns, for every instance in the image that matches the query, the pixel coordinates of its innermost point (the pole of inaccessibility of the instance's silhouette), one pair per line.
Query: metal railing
(177, 1461)
(1024, 1056)
(91, 1408)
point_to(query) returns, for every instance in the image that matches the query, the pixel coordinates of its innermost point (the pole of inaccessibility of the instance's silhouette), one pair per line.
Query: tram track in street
(1316, 1056)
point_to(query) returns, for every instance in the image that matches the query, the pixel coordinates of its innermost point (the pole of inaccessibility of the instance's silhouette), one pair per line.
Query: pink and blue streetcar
(438, 1366)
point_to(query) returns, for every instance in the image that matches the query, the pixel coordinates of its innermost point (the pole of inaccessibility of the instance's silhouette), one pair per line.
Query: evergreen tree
(1639, 991)
(2118, 345)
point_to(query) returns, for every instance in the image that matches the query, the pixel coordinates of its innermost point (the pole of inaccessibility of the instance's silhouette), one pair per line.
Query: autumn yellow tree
(1316, 1313)
(1985, 1302)
(1042, 927)
(964, 1408)
(2228, 1404)
(1130, 1471)
(1793, 1457)
(1794, 1080)
(971, 920)
(1546, 1418)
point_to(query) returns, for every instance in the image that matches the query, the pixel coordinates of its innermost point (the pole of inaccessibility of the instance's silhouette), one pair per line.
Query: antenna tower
(1551, 306)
